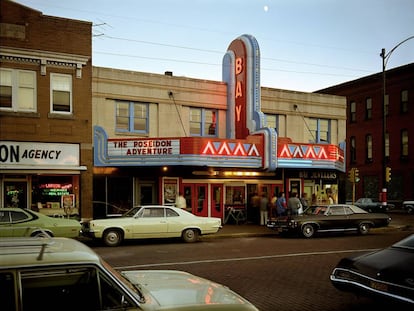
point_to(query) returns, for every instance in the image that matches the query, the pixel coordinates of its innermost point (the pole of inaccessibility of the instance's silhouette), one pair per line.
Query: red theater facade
(217, 142)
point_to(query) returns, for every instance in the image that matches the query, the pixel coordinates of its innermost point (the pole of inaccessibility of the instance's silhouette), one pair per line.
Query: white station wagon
(65, 274)
(151, 221)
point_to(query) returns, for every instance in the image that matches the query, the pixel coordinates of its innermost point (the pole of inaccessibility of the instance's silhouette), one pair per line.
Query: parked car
(65, 274)
(408, 206)
(152, 221)
(329, 218)
(19, 222)
(373, 205)
(386, 273)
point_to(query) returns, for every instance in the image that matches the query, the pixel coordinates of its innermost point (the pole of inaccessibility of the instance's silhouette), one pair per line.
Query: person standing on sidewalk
(293, 204)
(180, 201)
(264, 213)
(281, 205)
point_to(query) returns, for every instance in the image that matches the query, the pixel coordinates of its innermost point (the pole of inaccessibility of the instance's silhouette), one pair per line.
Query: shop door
(217, 200)
(15, 194)
(147, 194)
(200, 194)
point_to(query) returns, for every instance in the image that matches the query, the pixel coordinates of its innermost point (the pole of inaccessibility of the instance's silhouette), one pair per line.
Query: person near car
(273, 206)
(180, 201)
(304, 201)
(264, 213)
(281, 205)
(293, 204)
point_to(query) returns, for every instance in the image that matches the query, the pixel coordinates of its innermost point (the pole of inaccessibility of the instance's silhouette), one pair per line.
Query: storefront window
(15, 194)
(47, 191)
(235, 195)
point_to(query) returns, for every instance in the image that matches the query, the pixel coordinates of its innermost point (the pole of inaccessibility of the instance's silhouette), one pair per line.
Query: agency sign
(13, 153)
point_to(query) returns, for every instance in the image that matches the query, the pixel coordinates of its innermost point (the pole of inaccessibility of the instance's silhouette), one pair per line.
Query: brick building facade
(45, 110)
(365, 132)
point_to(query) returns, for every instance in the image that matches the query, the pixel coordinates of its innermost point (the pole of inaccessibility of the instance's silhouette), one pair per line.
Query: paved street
(274, 273)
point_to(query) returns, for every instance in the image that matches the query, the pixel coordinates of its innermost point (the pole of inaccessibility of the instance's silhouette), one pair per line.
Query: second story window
(404, 143)
(131, 117)
(368, 146)
(386, 107)
(319, 131)
(61, 93)
(387, 145)
(368, 109)
(272, 121)
(353, 149)
(203, 122)
(17, 90)
(352, 112)
(404, 101)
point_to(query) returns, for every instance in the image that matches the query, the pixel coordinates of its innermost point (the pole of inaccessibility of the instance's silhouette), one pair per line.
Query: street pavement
(400, 220)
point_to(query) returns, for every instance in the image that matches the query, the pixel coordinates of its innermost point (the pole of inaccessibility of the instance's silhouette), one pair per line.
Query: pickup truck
(373, 205)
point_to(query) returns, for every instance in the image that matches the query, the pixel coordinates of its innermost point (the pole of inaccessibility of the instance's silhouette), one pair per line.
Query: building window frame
(61, 93)
(353, 149)
(272, 121)
(404, 101)
(404, 143)
(18, 90)
(387, 105)
(203, 122)
(131, 117)
(368, 148)
(387, 146)
(352, 112)
(368, 108)
(319, 131)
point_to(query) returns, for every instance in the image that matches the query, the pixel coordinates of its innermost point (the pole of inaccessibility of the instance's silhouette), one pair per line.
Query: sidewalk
(399, 221)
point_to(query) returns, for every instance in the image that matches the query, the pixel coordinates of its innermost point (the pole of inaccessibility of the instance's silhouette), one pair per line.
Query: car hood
(181, 289)
(391, 264)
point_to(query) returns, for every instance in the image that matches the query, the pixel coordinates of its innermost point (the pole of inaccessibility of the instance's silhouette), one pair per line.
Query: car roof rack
(21, 243)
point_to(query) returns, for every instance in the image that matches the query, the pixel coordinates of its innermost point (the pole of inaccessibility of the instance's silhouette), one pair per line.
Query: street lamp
(385, 57)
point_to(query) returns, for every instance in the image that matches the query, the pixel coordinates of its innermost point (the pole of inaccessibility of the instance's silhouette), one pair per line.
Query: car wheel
(112, 237)
(190, 235)
(363, 228)
(410, 209)
(308, 230)
(42, 234)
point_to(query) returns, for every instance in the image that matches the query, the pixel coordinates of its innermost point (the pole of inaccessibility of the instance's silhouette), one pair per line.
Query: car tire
(363, 228)
(112, 237)
(190, 235)
(42, 234)
(308, 230)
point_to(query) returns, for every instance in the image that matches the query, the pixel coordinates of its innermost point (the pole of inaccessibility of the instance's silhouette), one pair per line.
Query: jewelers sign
(143, 147)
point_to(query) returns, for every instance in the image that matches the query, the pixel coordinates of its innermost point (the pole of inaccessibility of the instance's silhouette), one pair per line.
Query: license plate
(379, 286)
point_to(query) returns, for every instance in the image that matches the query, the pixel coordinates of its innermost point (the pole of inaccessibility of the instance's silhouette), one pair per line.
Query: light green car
(65, 274)
(19, 222)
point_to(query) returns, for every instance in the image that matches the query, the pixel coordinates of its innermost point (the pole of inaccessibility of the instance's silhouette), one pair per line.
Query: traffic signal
(388, 174)
(356, 175)
(351, 175)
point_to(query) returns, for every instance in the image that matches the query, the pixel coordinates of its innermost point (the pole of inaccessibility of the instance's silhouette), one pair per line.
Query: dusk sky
(305, 45)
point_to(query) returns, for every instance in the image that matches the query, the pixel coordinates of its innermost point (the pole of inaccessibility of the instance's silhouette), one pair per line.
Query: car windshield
(125, 281)
(132, 211)
(407, 243)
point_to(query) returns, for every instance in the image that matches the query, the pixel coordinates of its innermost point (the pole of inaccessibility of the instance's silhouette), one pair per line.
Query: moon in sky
(266, 8)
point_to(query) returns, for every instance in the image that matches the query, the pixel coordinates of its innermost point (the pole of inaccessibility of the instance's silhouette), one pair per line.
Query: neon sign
(308, 151)
(225, 148)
